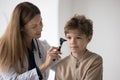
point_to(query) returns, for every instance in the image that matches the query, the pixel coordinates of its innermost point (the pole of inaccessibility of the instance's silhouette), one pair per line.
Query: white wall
(106, 19)
(65, 11)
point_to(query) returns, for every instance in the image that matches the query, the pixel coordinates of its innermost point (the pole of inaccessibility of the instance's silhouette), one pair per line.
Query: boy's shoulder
(93, 57)
(93, 54)
(64, 60)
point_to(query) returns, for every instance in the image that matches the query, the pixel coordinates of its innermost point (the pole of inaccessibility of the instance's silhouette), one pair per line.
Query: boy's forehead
(75, 31)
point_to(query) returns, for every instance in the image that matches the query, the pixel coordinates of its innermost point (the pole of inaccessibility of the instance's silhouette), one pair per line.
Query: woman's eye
(41, 23)
(34, 26)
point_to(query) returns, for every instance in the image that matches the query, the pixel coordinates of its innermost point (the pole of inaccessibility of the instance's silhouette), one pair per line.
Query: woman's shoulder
(42, 43)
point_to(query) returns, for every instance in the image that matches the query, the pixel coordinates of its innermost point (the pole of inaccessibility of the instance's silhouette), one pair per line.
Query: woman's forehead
(34, 20)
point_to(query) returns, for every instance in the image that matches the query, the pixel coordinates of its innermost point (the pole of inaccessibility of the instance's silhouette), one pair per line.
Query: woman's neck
(28, 42)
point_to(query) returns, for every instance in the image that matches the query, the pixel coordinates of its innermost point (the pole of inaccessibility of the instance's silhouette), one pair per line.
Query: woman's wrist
(43, 67)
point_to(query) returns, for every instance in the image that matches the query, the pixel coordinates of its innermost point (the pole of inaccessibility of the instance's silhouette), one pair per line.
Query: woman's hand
(51, 55)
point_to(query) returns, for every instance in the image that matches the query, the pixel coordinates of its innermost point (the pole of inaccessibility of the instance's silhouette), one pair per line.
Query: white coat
(31, 74)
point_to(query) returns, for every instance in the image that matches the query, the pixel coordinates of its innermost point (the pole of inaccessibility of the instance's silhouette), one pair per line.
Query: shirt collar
(74, 59)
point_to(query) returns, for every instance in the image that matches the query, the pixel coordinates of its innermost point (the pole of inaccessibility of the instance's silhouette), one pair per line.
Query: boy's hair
(80, 23)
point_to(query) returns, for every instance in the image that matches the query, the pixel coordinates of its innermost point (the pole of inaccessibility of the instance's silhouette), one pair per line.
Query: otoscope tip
(62, 40)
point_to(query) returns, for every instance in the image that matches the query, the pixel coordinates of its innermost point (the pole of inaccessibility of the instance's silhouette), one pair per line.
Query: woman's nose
(40, 27)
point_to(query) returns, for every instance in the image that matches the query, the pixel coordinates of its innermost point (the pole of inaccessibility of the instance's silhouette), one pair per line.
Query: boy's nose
(72, 41)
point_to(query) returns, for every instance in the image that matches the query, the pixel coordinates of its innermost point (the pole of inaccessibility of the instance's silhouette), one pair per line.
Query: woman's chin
(38, 36)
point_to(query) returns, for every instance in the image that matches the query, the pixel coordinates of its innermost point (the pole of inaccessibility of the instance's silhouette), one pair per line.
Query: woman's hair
(12, 45)
(80, 23)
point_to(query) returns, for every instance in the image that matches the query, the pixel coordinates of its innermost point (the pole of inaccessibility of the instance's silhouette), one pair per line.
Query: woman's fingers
(53, 49)
(53, 53)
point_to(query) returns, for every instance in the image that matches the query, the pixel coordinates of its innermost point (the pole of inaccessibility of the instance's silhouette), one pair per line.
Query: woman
(22, 55)
(81, 64)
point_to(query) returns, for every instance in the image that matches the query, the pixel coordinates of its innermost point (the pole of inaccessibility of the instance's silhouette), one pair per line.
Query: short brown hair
(80, 23)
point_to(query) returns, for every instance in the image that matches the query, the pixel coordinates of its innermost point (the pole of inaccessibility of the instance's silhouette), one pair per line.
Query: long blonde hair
(12, 44)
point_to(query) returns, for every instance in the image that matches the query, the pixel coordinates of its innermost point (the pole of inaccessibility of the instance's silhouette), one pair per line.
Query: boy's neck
(79, 55)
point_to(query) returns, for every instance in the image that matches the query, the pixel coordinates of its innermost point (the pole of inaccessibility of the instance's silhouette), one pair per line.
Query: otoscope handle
(61, 42)
(59, 49)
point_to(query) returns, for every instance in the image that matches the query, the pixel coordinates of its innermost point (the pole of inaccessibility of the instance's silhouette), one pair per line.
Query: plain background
(105, 15)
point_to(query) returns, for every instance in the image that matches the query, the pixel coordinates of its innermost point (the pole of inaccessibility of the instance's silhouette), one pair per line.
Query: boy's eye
(78, 38)
(68, 37)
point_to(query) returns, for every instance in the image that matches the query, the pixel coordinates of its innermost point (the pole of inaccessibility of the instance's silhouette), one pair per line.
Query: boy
(81, 64)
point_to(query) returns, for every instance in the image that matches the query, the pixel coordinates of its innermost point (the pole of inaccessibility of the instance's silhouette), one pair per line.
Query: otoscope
(61, 40)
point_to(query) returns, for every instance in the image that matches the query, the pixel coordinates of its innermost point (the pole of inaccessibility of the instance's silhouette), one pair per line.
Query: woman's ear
(89, 38)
